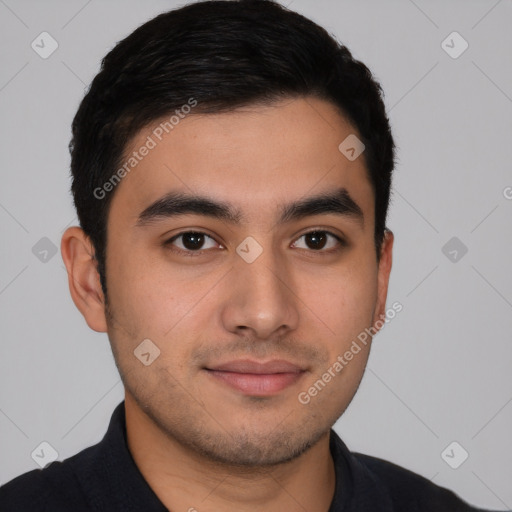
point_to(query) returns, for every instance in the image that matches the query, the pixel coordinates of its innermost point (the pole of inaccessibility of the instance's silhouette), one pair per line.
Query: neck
(185, 480)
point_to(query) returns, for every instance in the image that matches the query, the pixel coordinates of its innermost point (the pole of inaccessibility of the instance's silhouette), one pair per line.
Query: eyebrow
(173, 204)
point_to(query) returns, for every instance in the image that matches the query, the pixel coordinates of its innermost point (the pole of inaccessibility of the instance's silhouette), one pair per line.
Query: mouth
(255, 378)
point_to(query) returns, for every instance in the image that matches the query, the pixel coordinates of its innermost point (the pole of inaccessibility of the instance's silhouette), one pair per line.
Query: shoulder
(55, 488)
(407, 490)
(78, 483)
(364, 482)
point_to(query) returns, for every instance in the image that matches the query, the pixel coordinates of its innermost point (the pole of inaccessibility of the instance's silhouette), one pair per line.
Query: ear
(83, 277)
(386, 257)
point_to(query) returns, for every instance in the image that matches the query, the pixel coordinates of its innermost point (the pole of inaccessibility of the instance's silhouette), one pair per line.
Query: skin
(199, 443)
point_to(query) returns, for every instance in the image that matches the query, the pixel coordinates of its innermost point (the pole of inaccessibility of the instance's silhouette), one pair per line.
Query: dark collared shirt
(105, 478)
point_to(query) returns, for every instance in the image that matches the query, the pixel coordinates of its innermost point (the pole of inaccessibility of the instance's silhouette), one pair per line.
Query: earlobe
(385, 263)
(83, 278)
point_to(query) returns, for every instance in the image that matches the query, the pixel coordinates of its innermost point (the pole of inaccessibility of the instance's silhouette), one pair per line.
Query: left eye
(193, 241)
(318, 240)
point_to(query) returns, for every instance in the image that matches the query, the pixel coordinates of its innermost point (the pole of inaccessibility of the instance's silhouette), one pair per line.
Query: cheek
(139, 294)
(148, 304)
(152, 299)
(344, 299)
(345, 305)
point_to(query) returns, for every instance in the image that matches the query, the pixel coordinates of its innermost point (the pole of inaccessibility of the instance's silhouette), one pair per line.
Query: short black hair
(222, 54)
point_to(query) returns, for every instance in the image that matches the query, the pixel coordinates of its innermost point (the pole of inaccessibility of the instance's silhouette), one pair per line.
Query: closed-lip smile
(257, 378)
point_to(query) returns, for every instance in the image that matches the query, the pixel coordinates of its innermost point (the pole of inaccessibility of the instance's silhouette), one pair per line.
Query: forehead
(257, 157)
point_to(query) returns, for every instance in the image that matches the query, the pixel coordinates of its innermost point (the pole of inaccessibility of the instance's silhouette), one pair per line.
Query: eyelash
(169, 243)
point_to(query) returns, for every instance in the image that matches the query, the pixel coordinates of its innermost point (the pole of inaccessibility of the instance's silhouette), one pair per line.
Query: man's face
(206, 300)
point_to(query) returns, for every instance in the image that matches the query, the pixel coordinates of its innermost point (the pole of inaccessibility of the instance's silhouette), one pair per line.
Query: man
(231, 172)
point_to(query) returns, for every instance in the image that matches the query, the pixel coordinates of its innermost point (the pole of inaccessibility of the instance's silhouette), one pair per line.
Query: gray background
(439, 372)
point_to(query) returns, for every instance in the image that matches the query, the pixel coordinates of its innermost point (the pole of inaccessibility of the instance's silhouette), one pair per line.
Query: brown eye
(193, 241)
(318, 240)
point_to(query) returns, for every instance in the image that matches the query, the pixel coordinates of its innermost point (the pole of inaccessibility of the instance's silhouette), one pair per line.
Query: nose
(260, 298)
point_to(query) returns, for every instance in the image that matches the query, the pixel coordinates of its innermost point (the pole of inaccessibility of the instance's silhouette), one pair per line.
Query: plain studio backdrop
(439, 372)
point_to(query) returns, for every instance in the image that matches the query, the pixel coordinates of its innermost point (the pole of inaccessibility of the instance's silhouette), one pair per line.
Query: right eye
(191, 242)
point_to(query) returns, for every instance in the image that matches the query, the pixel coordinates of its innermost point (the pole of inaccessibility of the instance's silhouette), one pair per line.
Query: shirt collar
(109, 475)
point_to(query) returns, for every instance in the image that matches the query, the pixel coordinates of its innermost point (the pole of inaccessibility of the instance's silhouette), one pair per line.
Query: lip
(256, 378)
(249, 366)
